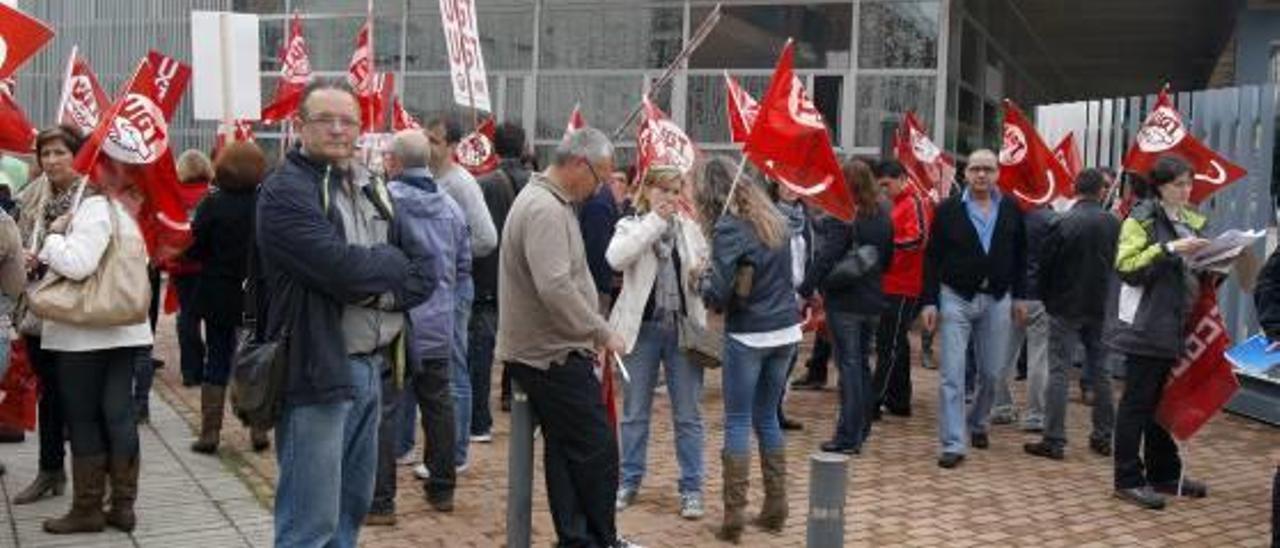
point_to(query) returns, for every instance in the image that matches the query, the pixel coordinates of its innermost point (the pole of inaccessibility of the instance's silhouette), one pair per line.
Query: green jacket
(1150, 310)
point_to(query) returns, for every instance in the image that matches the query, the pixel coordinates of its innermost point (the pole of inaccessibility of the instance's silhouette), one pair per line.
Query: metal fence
(1237, 122)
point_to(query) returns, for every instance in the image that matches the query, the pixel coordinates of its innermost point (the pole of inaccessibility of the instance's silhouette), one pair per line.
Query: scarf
(666, 287)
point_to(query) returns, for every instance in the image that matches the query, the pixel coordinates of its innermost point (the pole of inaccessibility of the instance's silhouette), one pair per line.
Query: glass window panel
(615, 38)
(894, 34)
(970, 66)
(258, 6)
(506, 39)
(515, 101)
(270, 40)
(428, 95)
(753, 36)
(884, 99)
(426, 49)
(707, 105)
(826, 94)
(605, 101)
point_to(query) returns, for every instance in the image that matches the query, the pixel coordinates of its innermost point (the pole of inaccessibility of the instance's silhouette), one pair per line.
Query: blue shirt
(985, 225)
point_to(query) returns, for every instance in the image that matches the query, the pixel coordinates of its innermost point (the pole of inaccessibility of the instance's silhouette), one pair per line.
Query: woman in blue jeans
(748, 280)
(657, 249)
(851, 258)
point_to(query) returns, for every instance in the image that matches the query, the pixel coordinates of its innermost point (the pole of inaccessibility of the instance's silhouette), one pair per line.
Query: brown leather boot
(46, 484)
(773, 513)
(124, 492)
(212, 401)
(259, 438)
(88, 485)
(736, 470)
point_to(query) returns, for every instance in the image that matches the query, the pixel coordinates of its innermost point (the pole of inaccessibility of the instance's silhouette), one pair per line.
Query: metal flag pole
(695, 40)
(742, 166)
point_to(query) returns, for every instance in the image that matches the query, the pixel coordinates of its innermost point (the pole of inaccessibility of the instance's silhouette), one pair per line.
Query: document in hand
(1256, 358)
(1225, 248)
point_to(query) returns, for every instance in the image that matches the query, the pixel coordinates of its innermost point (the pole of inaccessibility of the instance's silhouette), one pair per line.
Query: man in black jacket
(975, 267)
(324, 232)
(1076, 267)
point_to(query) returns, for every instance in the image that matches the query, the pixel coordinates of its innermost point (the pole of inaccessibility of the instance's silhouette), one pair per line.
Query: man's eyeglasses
(336, 122)
(594, 175)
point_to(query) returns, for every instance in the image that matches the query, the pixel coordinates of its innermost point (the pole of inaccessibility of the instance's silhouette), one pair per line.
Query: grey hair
(588, 142)
(410, 148)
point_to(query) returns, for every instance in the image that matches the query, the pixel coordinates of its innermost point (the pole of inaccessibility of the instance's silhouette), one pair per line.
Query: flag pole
(695, 40)
(742, 166)
(66, 84)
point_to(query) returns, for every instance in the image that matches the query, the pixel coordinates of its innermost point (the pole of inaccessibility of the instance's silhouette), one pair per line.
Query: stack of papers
(1224, 249)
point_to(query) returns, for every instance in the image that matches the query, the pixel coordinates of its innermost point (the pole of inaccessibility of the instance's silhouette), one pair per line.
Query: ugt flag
(576, 121)
(21, 36)
(475, 152)
(742, 109)
(17, 135)
(83, 99)
(930, 169)
(789, 140)
(1163, 132)
(295, 74)
(1028, 169)
(1203, 380)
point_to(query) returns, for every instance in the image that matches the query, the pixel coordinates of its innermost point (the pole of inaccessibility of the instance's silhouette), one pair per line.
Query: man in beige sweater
(548, 331)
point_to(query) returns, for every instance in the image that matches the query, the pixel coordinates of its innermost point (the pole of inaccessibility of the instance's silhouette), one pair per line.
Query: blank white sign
(224, 59)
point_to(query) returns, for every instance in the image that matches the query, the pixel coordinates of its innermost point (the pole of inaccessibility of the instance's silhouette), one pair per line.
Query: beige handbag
(116, 294)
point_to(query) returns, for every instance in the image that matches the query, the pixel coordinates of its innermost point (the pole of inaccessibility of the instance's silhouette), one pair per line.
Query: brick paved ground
(897, 494)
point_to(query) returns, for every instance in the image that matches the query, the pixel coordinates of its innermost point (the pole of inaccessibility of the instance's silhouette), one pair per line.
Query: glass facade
(865, 62)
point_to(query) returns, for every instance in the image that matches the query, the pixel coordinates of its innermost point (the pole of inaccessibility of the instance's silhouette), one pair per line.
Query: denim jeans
(985, 321)
(191, 349)
(852, 334)
(460, 374)
(753, 380)
(1036, 335)
(580, 453)
(658, 344)
(144, 375)
(1064, 335)
(481, 335)
(327, 455)
(51, 422)
(95, 388)
(406, 419)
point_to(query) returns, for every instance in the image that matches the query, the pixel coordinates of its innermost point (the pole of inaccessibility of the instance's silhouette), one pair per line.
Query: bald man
(974, 275)
(440, 227)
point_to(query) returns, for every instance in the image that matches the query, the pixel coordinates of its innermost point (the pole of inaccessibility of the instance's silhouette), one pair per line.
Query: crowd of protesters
(398, 287)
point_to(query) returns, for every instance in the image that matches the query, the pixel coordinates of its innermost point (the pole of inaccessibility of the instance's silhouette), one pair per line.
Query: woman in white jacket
(95, 371)
(657, 250)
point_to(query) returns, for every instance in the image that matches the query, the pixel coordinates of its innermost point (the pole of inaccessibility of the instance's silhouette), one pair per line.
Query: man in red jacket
(902, 284)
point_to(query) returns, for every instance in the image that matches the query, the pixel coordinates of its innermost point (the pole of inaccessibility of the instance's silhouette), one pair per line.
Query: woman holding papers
(657, 250)
(1158, 290)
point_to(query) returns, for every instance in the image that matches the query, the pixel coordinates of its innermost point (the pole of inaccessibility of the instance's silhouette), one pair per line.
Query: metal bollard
(520, 470)
(827, 480)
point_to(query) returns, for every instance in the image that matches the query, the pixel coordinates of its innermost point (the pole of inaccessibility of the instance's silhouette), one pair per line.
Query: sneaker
(407, 459)
(1033, 424)
(1142, 496)
(950, 460)
(421, 472)
(1045, 449)
(626, 497)
(622, 542)
(462, 468)
(691, 506)
(833, 447)
(1004, 415)
(486, 437)
(980, 440)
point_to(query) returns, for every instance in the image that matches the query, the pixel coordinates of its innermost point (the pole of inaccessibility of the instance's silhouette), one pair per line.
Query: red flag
(475, 152)
(576, 121)
(1164, 132)
(295, 74)
(743, 110)
(604, 371)
(1068, 152)
(236, 131)
(137, 168)
(19, 389)
(83, 99)
(21, 36)
(375, 105)
(16, 132)
(1203, 381)
(932, 171)
(1028, 169)
(661, 142)
(361, 76)
(789, 141)
(400, 118)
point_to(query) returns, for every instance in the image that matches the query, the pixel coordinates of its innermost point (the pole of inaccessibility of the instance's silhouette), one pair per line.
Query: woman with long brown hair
(748, 280)
(850, 261)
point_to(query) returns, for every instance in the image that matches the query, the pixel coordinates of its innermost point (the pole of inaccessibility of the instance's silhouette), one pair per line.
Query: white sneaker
(409, 459)
(486, 437)
(421, 472)
(462, 468)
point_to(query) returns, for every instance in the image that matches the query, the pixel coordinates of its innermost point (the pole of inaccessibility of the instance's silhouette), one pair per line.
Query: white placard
(466, 63)
(224, 58)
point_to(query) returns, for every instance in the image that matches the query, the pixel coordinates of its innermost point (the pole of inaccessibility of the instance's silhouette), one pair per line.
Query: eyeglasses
(341, 123)
(594, 175)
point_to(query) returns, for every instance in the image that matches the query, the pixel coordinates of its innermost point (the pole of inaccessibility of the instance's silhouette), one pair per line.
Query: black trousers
(435, 407)
(53, 424)
(96, 389)
(1136, 427)
(580, 457)
(892, 380)
(816, 365)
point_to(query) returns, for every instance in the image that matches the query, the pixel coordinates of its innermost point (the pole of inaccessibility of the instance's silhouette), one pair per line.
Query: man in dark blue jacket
(325, 233)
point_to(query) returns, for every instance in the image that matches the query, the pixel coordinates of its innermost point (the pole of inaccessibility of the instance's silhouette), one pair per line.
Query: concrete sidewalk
(184, 500)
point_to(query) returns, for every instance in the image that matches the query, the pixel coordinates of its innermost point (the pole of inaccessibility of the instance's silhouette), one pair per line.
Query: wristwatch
(1168, 249)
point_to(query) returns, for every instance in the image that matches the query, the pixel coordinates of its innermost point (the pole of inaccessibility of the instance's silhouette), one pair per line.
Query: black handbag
(260, 366)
